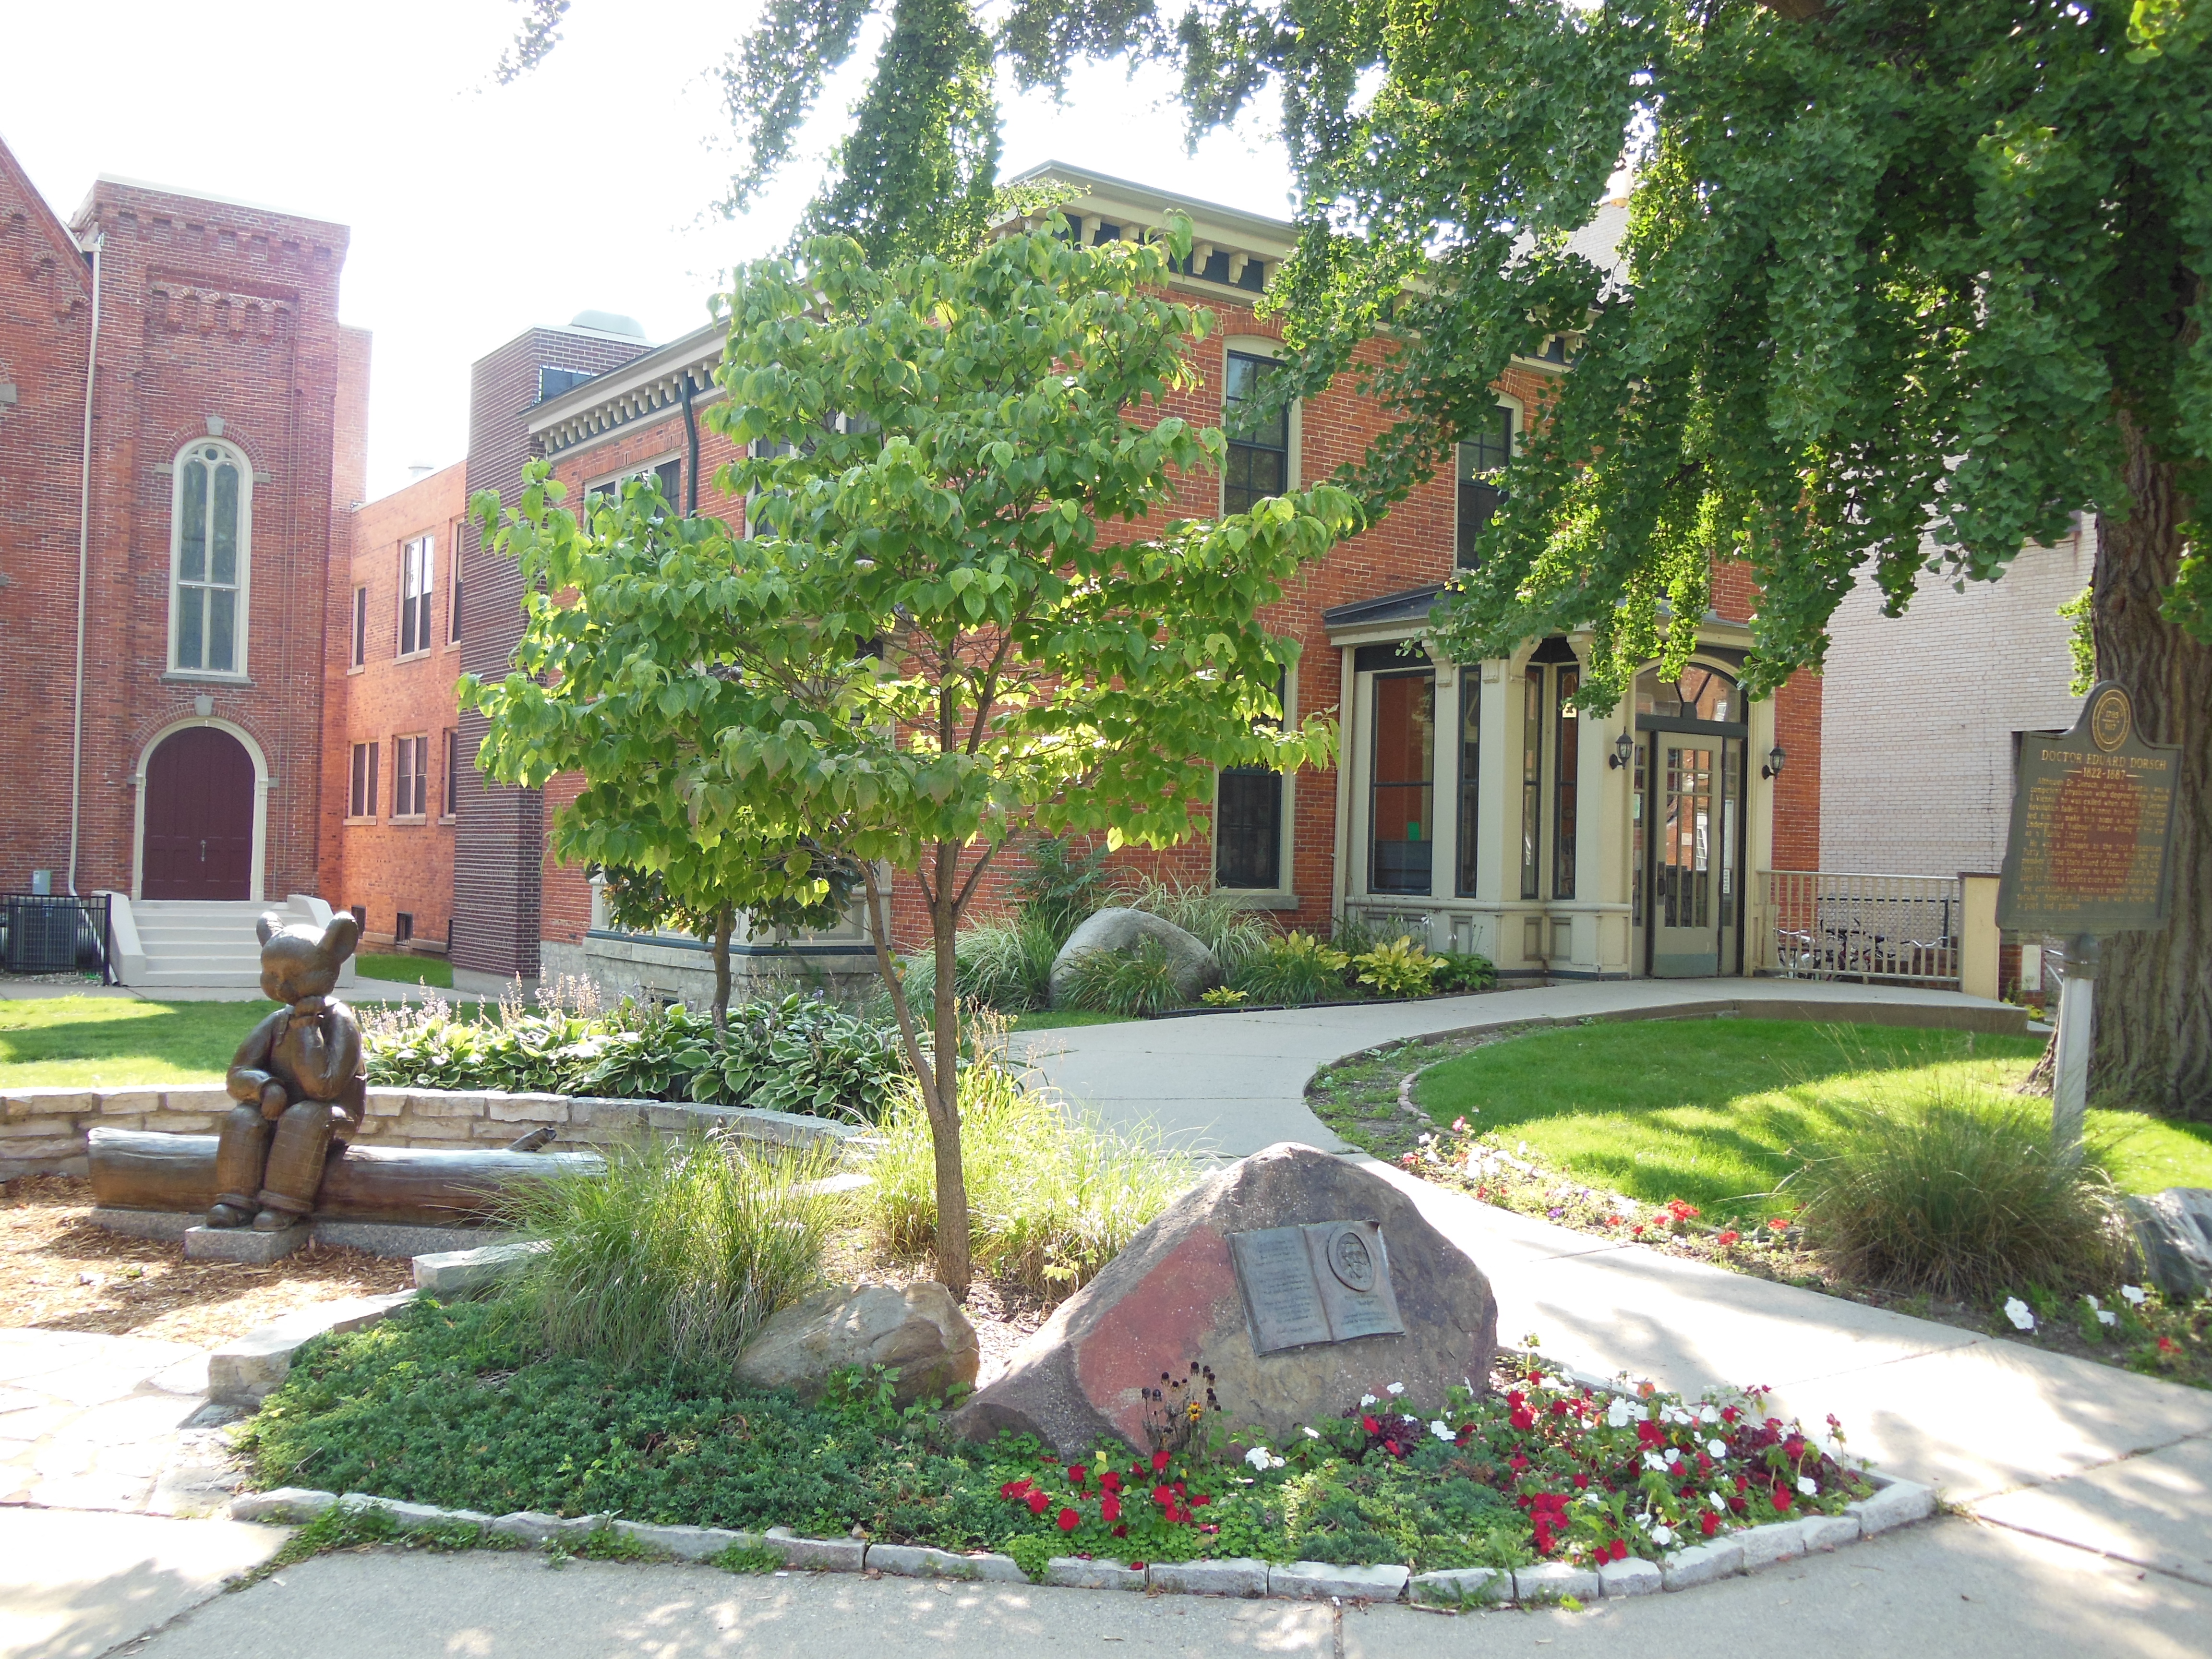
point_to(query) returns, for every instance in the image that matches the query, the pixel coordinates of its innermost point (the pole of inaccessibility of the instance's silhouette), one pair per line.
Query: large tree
(1905, 285)
(961, 610)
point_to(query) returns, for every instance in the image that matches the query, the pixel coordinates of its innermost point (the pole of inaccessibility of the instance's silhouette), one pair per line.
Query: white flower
(1663, 1534)
(1673, 1456)
(1592, 1500)
(1719, 1501)
(1369, 1400)
(1717, 1447)
(1653, 1462)
(2018, 1311)
(1709, 1412)
(1442, 1430)
(1619, 1414)
(2134, 1293)
(1313, 1434)
(1396, 1388)
(1257, 1457)
(1523, 1149)
(1809, 1486)
(1644, 1522)
(2094, 1304)
(2106, 1316)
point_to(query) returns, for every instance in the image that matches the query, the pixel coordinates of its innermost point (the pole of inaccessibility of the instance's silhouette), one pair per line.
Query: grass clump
(1293, 970)
(679, 1251)
(1134, 984)
(1213, 917)
(1957, 1194)
(1052, 1199)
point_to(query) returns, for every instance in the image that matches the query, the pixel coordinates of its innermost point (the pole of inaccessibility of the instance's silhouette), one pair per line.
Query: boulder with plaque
(1300, 1281)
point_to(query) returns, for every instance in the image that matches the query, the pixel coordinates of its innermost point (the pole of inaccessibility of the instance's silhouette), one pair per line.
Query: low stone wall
(42, 1130)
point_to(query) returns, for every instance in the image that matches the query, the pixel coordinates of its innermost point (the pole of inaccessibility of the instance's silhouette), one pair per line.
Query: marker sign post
(2089, 854)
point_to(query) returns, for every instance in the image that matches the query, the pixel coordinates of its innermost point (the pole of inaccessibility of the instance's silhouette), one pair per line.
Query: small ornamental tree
(961, 615)
(635, 750)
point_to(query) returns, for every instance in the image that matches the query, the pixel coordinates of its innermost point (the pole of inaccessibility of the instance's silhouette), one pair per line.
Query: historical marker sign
(1328, 1282)
(2092, 826)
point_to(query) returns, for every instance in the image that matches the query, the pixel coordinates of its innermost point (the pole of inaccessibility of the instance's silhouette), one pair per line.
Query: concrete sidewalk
(1234, 1083)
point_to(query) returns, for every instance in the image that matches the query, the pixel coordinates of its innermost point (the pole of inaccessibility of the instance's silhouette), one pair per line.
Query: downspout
(692, 444)
(83, 570)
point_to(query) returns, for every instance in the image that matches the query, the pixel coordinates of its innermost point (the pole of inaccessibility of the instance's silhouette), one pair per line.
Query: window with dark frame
(453, 771)
(453, 604)
(1566, 752)
(1470, 776)
(360, 627)
(1400, 822)
(361, 803)
(403, 927)
(1258, 465)
(1532, 784)
(1248, 826)
(417, 579)
(410, 796)
(1482, 456)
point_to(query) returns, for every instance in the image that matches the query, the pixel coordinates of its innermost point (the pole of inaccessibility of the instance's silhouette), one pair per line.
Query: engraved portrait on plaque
(1327, 1282)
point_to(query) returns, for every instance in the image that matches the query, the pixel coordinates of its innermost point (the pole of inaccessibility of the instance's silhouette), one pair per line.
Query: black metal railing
(55, 933)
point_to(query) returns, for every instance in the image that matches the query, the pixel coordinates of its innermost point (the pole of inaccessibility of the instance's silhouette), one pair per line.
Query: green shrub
(1463, 971)
(803, 1055)
(1208, 915)
(1052, 1199)
(1292, 969)
(1003, 963)
(1958, 1193)
(1398, 967)
(680, 1250)
(1133, 984)
(1060, 887)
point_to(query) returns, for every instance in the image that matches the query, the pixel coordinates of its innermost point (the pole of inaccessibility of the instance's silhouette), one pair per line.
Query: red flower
(1159, 1461)
(1581, 1483)
(1136, 1566)
(2167, 1345)
(1037, 1503)
(1394, 1448)
(1068, 1518)
(1109, 1481)
(1613, 1221)
(1110, 1508)
(1710, 1522)
(1200, 1501)
(1649, 1435)
(1781, 1499)
(1517, 1462)
(1076, 1473)
(1620, 1549)
(1371, 1425)
(1015, 1489)
(1777, 1224)
(1728, 1413)
(1636, 1232)
(1728, 1236)
(1523, 1419)
(1121, 1531)
(1164, 1496)
(1559, 1408)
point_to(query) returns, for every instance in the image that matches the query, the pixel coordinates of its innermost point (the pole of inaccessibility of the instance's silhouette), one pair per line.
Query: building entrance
(199, 817)
(1692, 828)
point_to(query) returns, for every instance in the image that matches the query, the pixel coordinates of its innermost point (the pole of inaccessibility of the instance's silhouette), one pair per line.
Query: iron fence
(1826, 924)
(55, 933)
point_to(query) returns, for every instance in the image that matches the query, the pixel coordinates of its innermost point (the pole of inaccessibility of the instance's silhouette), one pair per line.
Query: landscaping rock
(920, 1329)
(451, 1274)
(1123, 930)
(2173, 1229)
(1899, 1504)
(1237, 1574)
(1458, 1587)
(1317, 1581)
(824, 1554)
(1824, 1532)
(246, 1245)
(281, 1507)
(1702, 1563)
(1171, 1297)
(918, 1561)
(248, 1370)
(1633, 1576)
(1778, 1541)
(1079, 1572)
(1554, 1581)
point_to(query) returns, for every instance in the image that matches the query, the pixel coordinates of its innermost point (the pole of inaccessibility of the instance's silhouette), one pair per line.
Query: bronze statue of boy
(297, 1077)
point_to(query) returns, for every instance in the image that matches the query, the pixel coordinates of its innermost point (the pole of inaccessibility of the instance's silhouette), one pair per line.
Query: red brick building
(392, 758)
(182, 421)
(1471, 805)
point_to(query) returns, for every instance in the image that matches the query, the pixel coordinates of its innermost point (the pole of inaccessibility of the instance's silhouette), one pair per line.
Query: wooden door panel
(199, 817)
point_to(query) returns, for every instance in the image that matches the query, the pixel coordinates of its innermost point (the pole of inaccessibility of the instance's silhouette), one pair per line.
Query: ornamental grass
(678, 1252)
(1958, 1193)
(1052, 1197)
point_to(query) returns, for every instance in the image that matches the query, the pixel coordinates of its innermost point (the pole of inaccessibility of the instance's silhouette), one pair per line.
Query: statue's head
(297, 961)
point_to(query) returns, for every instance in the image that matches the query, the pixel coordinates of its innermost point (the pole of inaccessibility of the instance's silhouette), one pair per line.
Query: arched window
(212, 538)
(1701, 694)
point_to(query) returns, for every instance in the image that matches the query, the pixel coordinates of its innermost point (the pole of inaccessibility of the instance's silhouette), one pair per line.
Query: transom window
(1699, 694)
(1483, 455)
(1259, 460)
(212, 519)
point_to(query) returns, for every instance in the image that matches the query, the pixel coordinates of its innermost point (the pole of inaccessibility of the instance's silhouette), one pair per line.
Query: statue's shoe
(276, 1221)
(229, 1215)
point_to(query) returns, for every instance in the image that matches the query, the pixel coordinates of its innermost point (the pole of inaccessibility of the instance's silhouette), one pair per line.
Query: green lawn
(115, 1041)
(1053, 1019)
(409, 970)
(1718, 1111)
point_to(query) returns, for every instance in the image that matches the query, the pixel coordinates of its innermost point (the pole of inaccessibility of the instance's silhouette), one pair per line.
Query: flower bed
(439, 1406)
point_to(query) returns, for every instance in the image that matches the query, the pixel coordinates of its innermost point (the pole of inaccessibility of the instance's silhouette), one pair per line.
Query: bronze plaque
(1328, 1282)
(2092, 826)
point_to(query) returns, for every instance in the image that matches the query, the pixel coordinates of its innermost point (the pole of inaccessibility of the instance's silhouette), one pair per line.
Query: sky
(477, 210)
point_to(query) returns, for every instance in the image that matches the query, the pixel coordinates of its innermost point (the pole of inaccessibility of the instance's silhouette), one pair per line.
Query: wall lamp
(1775, 757)
(1624, 750)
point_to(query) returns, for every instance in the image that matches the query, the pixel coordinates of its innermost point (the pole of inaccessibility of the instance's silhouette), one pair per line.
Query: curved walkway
(1234, 1083)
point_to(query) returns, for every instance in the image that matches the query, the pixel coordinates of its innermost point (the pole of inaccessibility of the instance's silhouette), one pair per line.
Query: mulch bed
(59, 1272)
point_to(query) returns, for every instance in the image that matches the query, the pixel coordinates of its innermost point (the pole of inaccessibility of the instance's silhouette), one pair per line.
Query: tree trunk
(2153, 1047)
(726, 921)
(954, 1265)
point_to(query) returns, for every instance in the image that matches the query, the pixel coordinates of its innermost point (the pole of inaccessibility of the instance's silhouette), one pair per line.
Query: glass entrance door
(1695, 832)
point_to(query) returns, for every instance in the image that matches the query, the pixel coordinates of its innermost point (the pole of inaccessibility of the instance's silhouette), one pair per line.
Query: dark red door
(199, 817)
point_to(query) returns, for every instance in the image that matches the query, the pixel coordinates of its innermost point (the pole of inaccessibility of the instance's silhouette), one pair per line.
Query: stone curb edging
(1895, 1504)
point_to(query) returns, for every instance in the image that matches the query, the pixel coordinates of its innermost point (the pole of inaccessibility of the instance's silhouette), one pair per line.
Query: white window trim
(419, 814)
(424, 645)
(242, 632)
(1284, 896)
(607, 485)
(1519, 411)
(1258, 345)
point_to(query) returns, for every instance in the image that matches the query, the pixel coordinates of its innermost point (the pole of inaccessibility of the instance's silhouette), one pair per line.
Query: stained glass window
(210, 561)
